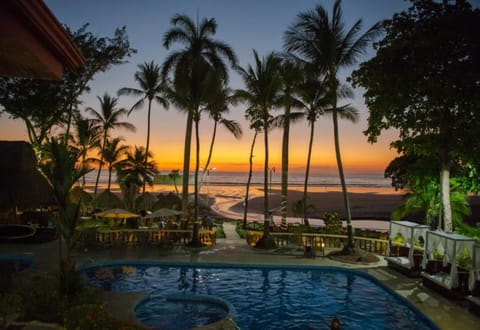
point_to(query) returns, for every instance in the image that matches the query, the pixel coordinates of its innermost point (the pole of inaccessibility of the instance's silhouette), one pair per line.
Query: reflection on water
(268, 298)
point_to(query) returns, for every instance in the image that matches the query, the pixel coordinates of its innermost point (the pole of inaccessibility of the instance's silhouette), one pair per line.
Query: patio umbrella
(117, 214)
(161, 213)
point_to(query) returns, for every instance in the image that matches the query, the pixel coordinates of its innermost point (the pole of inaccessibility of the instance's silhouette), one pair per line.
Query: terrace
(234, 250)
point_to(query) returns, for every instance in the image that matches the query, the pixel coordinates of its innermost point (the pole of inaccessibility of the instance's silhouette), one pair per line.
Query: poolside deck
(446, 314)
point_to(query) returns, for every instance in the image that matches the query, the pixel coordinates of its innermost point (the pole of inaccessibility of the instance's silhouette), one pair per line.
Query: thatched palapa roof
(145, 201)
(107, 200)
(168, 201)
(22, 184)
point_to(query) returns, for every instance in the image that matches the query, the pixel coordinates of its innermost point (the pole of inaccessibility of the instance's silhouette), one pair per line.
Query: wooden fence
(143, 237)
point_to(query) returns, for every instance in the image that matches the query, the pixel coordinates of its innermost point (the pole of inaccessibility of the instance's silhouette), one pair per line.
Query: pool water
(262, 297)
(15, 264)
(152, 312)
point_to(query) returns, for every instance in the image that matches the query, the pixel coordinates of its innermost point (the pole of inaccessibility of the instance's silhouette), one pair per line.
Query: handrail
(149, 236)
(301, 240)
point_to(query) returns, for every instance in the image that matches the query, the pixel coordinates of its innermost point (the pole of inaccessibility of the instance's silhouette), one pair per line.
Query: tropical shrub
(219, 233)
(333, 224)
(10, 305)
(42, 301)
(92, 317)
(398, 239)
(464, 260)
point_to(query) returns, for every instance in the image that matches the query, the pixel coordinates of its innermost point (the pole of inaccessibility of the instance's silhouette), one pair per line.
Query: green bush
(241, 232)
(10, 305)
(333, 224)
(92, 317)
(42, 301)
(219, 233)
(70, 282)
(6, 279)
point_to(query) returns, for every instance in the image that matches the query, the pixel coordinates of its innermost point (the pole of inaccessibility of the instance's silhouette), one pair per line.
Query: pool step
(382, 274)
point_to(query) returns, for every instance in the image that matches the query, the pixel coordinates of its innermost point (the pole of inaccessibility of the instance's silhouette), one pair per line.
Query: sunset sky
(244, 25)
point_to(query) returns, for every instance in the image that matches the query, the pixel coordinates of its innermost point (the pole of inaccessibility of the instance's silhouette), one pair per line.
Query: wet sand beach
(364, 205)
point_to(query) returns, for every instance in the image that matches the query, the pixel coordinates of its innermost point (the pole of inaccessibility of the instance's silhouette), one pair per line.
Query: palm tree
(256, 125)
(174, 175)
(151, 89)
(312, 95)
(62, 169)
(133, 174)
(217, 107)
(291, 75)
(87, 138)
(328, 47)
(108, 118)
(192, 67)
(112, 156)
(263, 85)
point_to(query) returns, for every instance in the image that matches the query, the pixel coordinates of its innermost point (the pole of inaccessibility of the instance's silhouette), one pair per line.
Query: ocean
(356, 182)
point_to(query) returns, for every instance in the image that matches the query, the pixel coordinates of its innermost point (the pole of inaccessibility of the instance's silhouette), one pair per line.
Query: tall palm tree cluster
(301, 83)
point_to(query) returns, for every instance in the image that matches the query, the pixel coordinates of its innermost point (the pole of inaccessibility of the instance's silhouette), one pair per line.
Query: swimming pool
(265, 297)
(15, 264)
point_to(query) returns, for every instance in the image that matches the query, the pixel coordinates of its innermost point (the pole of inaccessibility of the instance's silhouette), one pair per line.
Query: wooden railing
(319, 241)
(143, 237)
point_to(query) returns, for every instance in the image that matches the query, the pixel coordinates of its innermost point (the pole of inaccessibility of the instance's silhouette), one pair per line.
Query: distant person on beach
(335, 325)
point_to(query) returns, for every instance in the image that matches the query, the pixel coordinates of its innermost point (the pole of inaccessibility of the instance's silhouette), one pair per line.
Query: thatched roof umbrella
(168, 201)
(107, 200)
(145, 201)
(79, 195)
(22, 184)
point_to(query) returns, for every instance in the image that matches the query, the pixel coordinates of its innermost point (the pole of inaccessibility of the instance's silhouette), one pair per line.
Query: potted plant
(435, 265)
(464, 263)
(397, 243)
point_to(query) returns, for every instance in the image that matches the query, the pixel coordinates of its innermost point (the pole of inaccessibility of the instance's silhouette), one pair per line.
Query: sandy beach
(370, 209)
(369, 205)
(366, 203)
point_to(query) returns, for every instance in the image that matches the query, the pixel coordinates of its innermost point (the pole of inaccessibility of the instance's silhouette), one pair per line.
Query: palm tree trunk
(147, 145)
(210, 153)
(266, 242)
(83, 176)
(186, 164)
(266, 212)
(196, 222)
(350, 247)
(109, 178)
(100, 165)
(307, 174)
(69, 120)
(285, 144)
(445, 194)
(250, 170)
